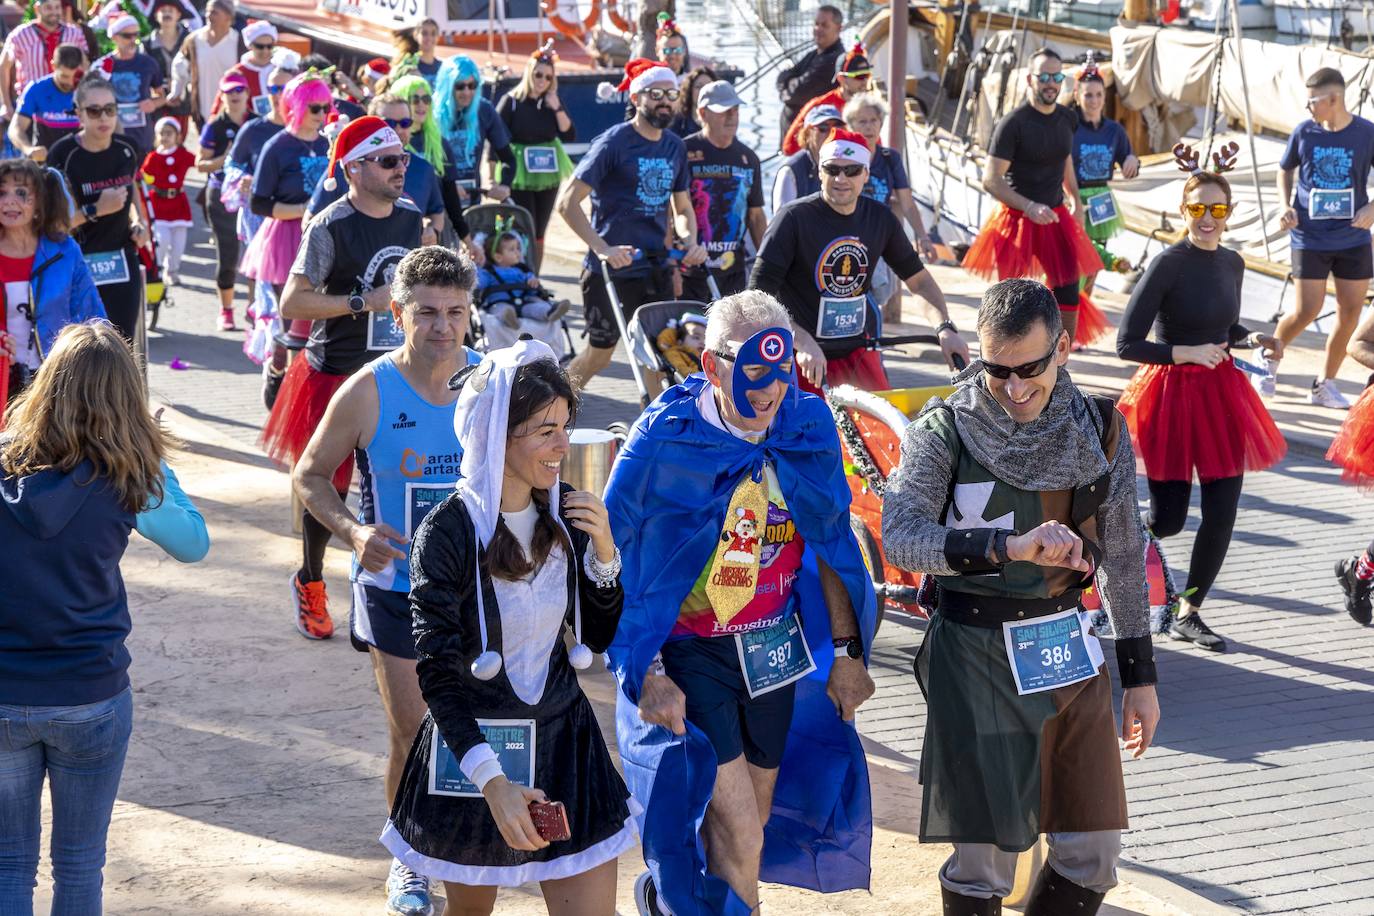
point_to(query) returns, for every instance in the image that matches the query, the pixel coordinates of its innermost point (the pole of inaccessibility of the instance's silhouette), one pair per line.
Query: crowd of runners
(410, 350)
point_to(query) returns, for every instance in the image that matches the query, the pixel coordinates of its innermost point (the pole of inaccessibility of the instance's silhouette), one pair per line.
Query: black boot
(959, 905)
(1055, 895)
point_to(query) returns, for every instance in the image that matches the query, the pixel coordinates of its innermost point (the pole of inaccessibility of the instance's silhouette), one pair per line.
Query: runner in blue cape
(741, 654)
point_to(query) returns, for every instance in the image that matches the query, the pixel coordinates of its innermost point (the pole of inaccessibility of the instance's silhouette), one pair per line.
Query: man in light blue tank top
(397, 418)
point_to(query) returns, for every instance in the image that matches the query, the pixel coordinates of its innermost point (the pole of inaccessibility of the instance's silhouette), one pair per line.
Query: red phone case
(551, 820)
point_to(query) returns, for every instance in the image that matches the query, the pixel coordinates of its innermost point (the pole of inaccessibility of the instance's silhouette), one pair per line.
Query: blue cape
(668, 495)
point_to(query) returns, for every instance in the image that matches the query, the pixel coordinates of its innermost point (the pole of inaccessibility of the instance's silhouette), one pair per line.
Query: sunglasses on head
(390, 161)
(1219, 211)
(319, 109)
(469, 86)
(658, 95)
(101, 111)
(1050, 77)
(399, 123)
(1025, 370)
(263, 46)
(849, 171)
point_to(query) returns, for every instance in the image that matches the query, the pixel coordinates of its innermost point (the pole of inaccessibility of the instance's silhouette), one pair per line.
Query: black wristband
(946, 325)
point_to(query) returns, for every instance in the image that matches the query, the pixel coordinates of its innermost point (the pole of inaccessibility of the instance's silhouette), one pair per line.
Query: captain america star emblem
(772, 348)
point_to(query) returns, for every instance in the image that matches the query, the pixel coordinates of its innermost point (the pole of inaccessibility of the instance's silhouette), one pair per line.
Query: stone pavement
(1257, 791)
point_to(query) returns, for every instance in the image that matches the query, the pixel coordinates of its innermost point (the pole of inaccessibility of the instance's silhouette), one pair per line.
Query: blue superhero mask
(769, 348)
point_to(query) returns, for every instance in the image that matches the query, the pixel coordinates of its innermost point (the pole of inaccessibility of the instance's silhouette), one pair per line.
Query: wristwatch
(357, 304)
(88, 211)
(853, 646)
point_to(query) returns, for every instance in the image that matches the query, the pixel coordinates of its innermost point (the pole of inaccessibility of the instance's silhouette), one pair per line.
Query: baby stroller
(483, 221)
(641, 332)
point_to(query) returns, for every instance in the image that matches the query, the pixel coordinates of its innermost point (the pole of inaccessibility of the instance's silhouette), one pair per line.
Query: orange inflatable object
(617, 20)
(569, 29)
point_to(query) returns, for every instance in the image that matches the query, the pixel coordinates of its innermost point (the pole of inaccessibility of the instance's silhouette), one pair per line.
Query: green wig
(432, 148)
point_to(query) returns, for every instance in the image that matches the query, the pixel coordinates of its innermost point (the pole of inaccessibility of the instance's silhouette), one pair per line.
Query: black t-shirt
(725, 185)
(345, 251)
(1191, 296)
(215, 141)
(812, 254)
(87, 175)
(1036, 145)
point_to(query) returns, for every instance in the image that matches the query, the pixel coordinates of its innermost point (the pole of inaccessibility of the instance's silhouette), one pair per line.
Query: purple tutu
(273, 250)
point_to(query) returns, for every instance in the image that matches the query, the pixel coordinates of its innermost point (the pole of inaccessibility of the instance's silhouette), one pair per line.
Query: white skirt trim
(512, 875)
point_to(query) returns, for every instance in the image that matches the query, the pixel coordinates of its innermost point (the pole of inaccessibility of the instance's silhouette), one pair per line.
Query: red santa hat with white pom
(359, 138)
(640, 74)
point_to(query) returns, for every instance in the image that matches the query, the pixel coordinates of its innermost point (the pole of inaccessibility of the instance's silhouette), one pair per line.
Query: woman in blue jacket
(43, 276)
(81, 466)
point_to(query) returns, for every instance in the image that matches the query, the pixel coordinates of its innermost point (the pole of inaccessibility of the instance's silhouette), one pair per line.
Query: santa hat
(257, 28)
(845, 144)
(642, 72)
(746, 515)
(167, 122)
(121, 23)
(378, 68)
(358, 139)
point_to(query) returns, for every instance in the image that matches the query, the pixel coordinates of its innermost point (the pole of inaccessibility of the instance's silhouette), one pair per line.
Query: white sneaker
(407, 894)
(1264, 384)
(1326, 394)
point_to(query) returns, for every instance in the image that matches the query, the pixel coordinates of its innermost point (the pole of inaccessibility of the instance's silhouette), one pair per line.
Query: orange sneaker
(312, 608)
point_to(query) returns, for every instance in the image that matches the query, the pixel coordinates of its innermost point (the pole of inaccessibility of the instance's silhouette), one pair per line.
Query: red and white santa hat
(846, 145)
(359, 138)
(746, 515)
(121, 22)
(378, 68)
(641, 73)
(258, 28)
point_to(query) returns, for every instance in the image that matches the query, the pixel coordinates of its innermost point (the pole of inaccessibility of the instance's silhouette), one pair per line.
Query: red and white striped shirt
(31, 47)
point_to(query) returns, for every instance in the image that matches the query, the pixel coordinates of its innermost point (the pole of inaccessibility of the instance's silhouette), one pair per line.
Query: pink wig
(304, 90)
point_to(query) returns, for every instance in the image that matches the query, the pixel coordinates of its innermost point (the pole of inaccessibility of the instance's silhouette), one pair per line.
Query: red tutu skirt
(1189, 419)
(1353, 447)
(300, 407)
(1010, 245)
(1092, 323)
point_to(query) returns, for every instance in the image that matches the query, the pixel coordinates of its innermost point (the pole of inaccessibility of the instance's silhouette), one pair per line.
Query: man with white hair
(819, 258)
(747, 620)
(633, 173)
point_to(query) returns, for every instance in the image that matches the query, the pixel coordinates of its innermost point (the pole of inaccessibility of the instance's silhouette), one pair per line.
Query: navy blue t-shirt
(133, 81)
(429, 71)
(1097, 150)
(490, 129)
(885, 175)
(632, 181)
(52, 111)
(289, 169)
(252, 137)
(1333, 168)
(421, 186)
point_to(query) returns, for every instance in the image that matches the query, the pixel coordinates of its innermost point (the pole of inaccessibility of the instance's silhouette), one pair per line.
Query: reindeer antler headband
(1223, 160)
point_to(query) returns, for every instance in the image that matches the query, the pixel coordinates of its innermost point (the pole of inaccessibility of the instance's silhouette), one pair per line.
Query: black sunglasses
(319, 109)
(848, 171)
(421, 99)
(1025, 370)
(258, 46)
(470, 86)
(399, 123)
(390, 161)
(101, 111)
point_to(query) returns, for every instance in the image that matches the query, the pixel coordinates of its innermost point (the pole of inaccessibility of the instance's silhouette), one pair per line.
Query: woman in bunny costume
(498, 570)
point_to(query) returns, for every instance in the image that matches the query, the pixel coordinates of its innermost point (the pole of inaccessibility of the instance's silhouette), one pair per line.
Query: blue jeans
(81, 751)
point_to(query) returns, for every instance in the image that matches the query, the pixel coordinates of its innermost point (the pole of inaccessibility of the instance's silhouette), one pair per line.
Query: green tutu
(1104, 230)
(526, 180)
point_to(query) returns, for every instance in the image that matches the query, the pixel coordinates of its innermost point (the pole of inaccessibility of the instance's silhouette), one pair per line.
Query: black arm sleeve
(442, 583)
(569, 135)
(1238, 331)
(1131, 340)
(767, 277)
(898, 253)
(506, 157)
(453, 205)
(261, 206)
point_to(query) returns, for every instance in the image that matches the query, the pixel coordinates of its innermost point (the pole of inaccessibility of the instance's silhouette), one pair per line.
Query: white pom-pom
(581, 657)
(330, 184)
(487, 665)
(606, 92)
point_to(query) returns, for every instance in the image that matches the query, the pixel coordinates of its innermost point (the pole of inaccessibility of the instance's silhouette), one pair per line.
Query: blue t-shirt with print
(133, 82)
(632, 181)
(1097, 150)
(289, 169)
(886, 174)
(490, 130)
(52, 111)
(1333, 170)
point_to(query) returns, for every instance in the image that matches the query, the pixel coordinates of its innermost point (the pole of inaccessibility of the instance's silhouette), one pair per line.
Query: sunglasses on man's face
(469, 86)
(319, 109)
(658, 95)
(1219, 211)
(399, 123)
(1025, 370)
(1055, 78)
(390, 161)
(101, 111)
(848, 171)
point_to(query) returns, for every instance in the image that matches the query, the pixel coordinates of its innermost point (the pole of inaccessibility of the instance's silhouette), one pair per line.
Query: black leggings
(540, 204)
(225, 227)
(1169, 510)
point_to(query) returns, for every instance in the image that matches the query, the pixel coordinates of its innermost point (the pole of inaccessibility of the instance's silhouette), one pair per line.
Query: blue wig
(458, 128)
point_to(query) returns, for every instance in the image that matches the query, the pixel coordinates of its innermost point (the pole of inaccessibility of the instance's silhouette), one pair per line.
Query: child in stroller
(509, 290)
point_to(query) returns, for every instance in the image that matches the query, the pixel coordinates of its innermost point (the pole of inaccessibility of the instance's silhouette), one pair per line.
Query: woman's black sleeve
(506, 157)
(442, 571)
(453, 205)
(1132, 341)
(261, 205)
